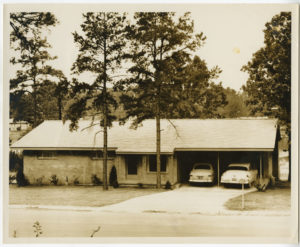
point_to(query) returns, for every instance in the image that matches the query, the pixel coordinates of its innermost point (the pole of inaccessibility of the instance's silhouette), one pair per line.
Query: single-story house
(52, 149)
(18, 125)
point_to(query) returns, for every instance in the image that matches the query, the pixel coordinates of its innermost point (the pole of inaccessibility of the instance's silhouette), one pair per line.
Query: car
(202, 173)
(240, 173)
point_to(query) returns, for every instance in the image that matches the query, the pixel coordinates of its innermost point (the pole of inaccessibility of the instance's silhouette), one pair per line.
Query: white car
(239, 174)
(202, 173)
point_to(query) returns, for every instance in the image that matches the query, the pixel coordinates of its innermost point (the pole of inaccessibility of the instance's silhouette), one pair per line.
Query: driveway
(186, 199)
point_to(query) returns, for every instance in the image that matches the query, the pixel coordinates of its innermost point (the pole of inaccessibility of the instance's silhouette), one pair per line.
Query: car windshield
(202, 166)
(240, 168)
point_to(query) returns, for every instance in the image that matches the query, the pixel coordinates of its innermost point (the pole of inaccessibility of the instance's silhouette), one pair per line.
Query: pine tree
(160, 47)
(29, 40)
(101, 47)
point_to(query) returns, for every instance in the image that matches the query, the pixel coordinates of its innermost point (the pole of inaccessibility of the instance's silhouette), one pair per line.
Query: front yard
(92, 196)
(277, 199)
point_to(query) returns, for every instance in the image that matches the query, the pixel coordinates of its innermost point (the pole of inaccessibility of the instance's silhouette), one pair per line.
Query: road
(71, 223)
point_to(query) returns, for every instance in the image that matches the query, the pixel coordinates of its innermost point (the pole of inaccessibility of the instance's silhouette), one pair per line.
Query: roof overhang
(225, 149)
(146, 152)
(64, 148)
(134, 152)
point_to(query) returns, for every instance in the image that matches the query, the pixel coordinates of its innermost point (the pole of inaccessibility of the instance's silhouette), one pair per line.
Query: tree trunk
(59, 104)
(105, 186)
(34, 110)
(290, 161)
(34, 94)
(157, 118)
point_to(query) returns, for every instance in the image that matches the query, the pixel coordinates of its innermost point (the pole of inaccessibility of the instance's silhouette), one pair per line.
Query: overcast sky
(234, 32)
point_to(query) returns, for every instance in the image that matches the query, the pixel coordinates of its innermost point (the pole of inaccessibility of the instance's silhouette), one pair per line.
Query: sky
(234, 32)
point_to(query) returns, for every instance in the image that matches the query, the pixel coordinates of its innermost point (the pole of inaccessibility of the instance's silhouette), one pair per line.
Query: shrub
(21, 179)
(76, 181)
(15, 161)
(12, 179)
(95, 180)
(115, 184)
(113, 180)
(54, 180)
(67, 180)
(39, 181)
(168, 185)
(37, 229)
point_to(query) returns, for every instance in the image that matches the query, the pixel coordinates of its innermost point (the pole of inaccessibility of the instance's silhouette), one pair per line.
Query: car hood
(201, 172)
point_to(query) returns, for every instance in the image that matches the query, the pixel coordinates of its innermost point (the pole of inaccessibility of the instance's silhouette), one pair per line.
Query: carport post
(218, 169)
(260, 168)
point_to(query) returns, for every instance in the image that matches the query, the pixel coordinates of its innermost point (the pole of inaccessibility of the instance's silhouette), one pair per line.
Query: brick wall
(71, 166)
(66, 167)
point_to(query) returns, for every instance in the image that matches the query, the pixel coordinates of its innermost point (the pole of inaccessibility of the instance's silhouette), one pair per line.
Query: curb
(105, 209)
(54, 207)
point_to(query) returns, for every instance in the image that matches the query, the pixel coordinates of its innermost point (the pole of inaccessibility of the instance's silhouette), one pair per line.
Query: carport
(222, 142)
(220, 161)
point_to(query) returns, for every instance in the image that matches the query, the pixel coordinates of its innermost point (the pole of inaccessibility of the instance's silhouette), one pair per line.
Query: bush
(21, 179)
(15, 161)
(12, 179)
(168, 185)
(54, 180)
(76, 181)
(67, 181)
(96, 180)
(39, 181)
(113, 180)
(115, 184)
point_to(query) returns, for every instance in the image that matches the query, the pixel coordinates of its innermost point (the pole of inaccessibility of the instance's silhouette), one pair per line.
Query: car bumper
(228, 181)
(201, 180)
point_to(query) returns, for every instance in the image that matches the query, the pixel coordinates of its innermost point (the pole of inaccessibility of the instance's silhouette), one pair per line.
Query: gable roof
(176, 135)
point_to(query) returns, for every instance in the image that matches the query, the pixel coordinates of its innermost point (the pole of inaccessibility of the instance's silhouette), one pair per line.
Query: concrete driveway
(186, 199)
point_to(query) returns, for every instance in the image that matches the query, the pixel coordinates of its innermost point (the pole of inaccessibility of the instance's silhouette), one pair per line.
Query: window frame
(137, 159)
(52, 155)
(165, 157)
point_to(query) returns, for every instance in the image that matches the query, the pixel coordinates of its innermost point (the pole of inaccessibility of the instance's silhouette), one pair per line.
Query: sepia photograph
(150, 123)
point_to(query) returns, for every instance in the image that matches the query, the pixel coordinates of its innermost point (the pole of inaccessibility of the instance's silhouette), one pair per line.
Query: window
(46, 155)
(152, 163)
(97, 155)
(203, 167)
(132, 162)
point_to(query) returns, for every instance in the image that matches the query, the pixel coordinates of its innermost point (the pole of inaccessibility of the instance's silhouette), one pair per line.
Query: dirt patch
(276, 199)
(92, 196)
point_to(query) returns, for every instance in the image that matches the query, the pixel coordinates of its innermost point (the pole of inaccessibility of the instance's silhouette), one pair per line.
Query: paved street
(61, 223)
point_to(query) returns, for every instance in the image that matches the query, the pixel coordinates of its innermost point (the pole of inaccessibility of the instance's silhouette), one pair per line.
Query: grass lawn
(93, 196)
(276, 199)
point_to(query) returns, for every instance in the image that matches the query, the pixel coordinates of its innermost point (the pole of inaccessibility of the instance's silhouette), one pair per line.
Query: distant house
(51, 149)
(18, 125)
